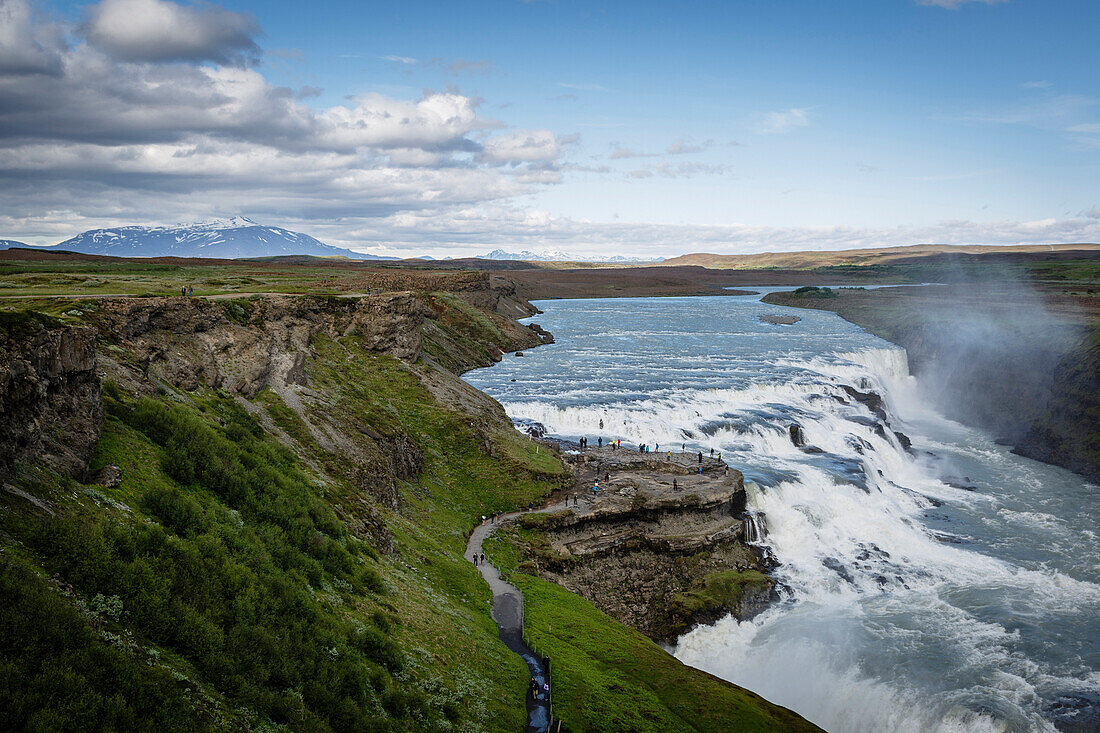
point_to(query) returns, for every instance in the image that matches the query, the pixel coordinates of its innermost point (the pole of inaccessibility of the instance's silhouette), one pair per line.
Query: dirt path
(507, 611)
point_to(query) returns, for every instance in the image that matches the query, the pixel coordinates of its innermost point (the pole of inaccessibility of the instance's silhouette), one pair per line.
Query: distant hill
(878, 256)
(233, 238)
(9, 243)
(528, 256)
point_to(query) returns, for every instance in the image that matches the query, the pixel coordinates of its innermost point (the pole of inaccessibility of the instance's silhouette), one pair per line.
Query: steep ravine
(252, 513)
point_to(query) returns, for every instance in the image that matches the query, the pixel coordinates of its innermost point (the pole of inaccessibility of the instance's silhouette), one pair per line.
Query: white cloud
(159, 30)
(27, 47)
(775, 123)
(87, 135)
(621, 153)
(474, 229)
(522, 146)
(1069, 115)
(679, 147)
(583, 87)
(955, 4)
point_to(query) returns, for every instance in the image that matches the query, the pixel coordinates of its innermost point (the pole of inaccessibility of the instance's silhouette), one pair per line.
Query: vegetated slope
(994, 355)
(871, 256)
(609, 678)
(270, 532)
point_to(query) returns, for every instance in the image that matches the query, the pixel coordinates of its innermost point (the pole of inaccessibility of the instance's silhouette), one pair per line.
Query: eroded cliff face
(660, 546)
(1068, 432)
(261, 351)
(50, 409)
(245, 345)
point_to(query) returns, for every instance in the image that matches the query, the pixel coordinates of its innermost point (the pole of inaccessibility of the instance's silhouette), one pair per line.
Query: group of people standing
(642, 447)
(539, 692)
(187, 291)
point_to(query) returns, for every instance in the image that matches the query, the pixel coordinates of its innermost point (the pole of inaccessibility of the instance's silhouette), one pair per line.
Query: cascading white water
(916, 598)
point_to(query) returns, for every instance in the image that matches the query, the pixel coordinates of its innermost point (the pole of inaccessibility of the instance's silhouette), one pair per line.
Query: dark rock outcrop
(50, 409)
(1067, 433)
(660, 546)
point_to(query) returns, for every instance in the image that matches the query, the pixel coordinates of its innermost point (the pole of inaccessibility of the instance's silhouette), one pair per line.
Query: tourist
(700, 456)
(674, 486)
(656, 447)
(599, 442)
(712, 453)
(606, 477)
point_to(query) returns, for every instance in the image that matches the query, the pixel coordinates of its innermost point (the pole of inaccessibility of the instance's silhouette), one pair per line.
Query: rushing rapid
(931, 580)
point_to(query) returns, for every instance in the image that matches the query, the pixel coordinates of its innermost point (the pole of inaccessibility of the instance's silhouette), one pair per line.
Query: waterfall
(950, 586)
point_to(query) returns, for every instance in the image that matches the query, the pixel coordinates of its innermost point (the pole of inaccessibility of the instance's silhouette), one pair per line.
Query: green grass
(608, 677)
(718, 590)
(287, 419)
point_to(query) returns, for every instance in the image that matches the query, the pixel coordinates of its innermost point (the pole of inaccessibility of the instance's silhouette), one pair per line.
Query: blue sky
(593, 128)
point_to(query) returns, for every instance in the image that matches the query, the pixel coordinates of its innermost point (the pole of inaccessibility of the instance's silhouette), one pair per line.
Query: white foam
(848, 527)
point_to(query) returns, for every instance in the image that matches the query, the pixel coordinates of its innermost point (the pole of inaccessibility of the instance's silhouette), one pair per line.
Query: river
(951, 586)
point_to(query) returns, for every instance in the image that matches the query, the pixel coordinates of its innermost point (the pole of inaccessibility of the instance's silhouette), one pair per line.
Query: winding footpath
(507, 611)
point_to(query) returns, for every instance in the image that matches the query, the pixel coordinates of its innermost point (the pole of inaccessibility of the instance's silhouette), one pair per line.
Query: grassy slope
(452, 672)
(608, 677)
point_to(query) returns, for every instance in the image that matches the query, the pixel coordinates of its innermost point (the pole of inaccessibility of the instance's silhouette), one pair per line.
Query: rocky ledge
(660, 545)
(777, 320)
(50, 411)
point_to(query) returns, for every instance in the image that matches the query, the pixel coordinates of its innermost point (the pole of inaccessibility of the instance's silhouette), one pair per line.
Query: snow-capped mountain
(9, 243)
(217, 238)
(528, 256)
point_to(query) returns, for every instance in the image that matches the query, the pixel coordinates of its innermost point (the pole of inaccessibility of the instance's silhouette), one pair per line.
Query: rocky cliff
(50, 411)
(990, 358)
(50, 374)
(659, 546)
(1068, 431)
